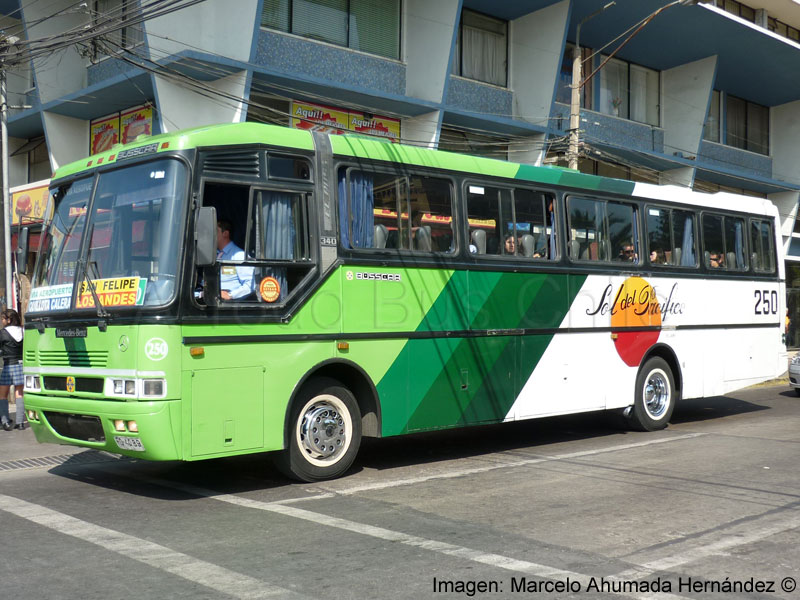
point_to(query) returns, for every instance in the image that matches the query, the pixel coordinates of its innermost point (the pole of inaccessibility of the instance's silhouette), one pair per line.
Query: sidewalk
(18, 445)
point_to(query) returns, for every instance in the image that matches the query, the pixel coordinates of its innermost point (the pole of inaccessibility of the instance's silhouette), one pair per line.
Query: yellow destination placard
(118, 291)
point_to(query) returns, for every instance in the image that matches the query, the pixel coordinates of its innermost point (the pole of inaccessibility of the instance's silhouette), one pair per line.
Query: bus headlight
(135, 388)
(32, 383)
(153, 388)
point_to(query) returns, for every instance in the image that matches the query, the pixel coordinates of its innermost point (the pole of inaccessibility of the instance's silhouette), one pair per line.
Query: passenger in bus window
(716, 260)
(235, 283)
(627, 253)
(511, 244)
(657, 257)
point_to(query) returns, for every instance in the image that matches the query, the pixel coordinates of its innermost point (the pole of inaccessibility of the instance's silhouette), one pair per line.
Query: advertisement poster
(368, 124)
(319, 117)
(135, 122)
(29, 202)
(103, 134)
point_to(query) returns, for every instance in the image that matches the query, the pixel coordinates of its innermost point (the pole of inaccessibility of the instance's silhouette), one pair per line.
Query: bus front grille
(55, 383)
(73, 358)
(76, 427)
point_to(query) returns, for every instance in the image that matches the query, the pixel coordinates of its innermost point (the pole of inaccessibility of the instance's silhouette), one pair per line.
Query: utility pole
(575, 101)
(5, 43)
(4, 152)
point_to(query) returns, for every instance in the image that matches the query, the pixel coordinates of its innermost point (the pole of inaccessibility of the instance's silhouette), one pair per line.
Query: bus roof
(231, 134)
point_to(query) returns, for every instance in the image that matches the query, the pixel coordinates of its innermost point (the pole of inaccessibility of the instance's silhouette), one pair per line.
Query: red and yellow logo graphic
(270, 289)
(636, 316)
(635, 308)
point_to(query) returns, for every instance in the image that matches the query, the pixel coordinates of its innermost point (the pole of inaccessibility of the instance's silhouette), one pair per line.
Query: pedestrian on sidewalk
(11, 351)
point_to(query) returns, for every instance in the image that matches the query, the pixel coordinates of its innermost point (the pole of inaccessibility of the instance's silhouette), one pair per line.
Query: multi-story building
(704, 95)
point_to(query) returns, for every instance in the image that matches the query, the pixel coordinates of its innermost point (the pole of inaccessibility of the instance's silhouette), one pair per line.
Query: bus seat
(527, 245)
(754, 260)
(574, 249)
(478, 238)
(381, 233)
(731, 262)
(707, 258)
(422, 238)
(676, 256)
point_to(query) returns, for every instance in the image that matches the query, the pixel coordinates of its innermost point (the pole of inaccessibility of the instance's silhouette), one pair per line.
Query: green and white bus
(391, 289)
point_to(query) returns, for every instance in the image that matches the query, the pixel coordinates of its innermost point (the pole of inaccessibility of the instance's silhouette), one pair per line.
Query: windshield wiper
(102, 313)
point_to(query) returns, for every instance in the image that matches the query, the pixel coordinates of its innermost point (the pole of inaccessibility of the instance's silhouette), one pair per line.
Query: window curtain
(687, 248)
(757, 128)
(614, 89)
(736, 123)
(356, 225)
(644, 95)
(738, 243)
(484, 56)
(279, 234)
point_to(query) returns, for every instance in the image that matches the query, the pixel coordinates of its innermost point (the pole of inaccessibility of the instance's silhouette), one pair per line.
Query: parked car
(794, 373)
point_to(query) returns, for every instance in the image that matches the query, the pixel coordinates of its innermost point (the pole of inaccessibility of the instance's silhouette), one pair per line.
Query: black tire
(655, 396)
(331, 452)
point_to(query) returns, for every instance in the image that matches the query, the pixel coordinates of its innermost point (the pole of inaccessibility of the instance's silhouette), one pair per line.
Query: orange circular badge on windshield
(270, 289)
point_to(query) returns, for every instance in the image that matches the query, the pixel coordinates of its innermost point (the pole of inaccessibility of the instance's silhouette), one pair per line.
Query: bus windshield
(124, 225)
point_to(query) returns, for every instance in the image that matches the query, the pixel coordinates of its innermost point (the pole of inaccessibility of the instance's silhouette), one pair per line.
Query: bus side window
(761, 246)
(535, 220)
(392, 211)
(713, 242)
(486, 213)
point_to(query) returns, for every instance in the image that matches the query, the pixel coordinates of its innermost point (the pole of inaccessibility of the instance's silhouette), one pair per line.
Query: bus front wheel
(655, 396)
(324, 432)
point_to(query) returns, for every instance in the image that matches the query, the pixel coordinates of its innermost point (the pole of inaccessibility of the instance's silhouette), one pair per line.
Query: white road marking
(219, 579)
(382, 533)
(501, 464)
(717, 543)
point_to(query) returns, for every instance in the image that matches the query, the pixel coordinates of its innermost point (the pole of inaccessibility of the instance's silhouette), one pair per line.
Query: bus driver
(235, 283)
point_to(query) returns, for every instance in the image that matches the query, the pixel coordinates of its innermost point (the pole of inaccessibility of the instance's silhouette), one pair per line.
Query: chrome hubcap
(656, 394)
(323, 431)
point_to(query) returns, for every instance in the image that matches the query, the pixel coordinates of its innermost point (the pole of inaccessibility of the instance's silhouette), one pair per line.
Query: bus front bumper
(149, 430)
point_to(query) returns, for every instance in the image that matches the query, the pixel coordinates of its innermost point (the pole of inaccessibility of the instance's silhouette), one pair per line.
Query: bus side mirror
(22, 250)
(205, 237)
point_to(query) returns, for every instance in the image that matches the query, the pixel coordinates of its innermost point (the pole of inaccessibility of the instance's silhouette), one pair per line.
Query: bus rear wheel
(324, 432)
(655, 396)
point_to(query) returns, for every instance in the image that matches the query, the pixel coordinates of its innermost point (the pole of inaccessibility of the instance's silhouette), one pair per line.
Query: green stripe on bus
(449, 382)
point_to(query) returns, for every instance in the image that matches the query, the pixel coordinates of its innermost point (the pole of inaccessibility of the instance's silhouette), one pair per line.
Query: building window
(747, 125)
(371, 26)
(711, 127)
(482, 48)
(783, 29)
(112, 11)
(630, 92)
(736, 8)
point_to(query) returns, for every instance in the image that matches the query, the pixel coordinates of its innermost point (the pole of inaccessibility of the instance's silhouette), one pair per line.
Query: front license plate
(129, 443)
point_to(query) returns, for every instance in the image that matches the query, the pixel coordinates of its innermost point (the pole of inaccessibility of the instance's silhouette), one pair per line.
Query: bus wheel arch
(657, 391)
(332, 407)
(354, 378)
(668, 355)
